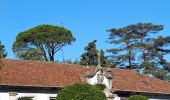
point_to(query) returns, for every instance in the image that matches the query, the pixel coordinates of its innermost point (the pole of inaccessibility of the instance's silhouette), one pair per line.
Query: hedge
(24, 98)
(81, 91)
(137, 97)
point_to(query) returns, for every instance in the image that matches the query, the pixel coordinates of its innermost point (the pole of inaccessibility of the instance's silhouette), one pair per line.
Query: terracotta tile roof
(46, 74)
(128, 80)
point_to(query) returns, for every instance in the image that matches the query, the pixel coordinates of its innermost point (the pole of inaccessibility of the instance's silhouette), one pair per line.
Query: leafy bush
(137, 97)
(81, 91)
(24, 98)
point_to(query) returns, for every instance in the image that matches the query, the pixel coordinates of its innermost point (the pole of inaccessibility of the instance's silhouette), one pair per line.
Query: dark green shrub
(137, 97)
(24, 98)
(81, 91)
(100, 86)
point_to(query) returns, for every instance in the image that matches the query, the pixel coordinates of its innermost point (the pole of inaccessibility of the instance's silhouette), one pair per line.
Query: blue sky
(87, 19)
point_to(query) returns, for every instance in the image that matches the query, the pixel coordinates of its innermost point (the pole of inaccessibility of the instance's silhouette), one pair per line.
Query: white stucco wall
(37, 96)
(117, 98)
(94, 80)
(4, 96)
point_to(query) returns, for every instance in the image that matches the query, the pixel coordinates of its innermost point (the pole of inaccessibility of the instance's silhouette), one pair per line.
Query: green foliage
(47, 39)
(110, 63)
(136, 48)
(167, 78)
(137, 97)
(68, 61)
(103, 59)
(146, 45)
(81, 91)
(90, 56)
(124, 46)
(24, 98)
(100, 86)
(158, 73)
(31, 54)
(3, 53)
(76, 61)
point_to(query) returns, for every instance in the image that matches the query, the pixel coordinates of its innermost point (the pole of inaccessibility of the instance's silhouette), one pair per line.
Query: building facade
(43, 80)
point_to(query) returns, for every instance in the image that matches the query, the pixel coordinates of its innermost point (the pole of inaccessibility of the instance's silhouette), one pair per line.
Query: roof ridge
(150, 77)
(77, 65)
(43, 62)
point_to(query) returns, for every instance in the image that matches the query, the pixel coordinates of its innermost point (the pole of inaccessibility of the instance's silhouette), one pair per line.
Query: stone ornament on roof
(100, 75)
(99, 64)
(108, 73)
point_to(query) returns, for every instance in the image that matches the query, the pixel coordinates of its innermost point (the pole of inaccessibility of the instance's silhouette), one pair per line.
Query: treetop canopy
(48, 38)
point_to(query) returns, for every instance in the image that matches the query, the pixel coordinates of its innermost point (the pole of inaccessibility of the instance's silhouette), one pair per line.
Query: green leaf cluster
(31, 54)
(81, 91)
(137, 97)
(3, 52)
(68, 61)
(47, 39)
(135, 47)
(130, 40)
(90, 56)
(24, 98)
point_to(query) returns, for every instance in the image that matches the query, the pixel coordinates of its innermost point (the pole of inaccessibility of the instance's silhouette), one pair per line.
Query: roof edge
(118, 90)
(38, 86)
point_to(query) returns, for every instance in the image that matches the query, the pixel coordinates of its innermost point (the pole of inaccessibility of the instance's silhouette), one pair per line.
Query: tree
(145, 43)
(158, 73)
(161, 67)
(3, 53)
(137, 97)
(24, 98)
(81, 91)
(161, 46)
(103, 59)
(136, 47)
(123, 40)
(90, 56)
(69, 61)
(31, 54)
(47, 39)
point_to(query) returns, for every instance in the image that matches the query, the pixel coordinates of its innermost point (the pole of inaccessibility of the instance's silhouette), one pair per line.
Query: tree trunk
(51, 55)
(144, 55)
(130, 57)
(52, 58)
(130, 63)
(144, 59)
(44, 55)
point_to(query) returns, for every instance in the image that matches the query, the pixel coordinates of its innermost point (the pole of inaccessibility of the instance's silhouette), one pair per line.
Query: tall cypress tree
(103, 59)
(90, 56)
(3, 53)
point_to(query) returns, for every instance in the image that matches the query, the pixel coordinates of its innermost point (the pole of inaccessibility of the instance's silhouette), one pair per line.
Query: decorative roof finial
(87, 67)
(87, 70)
(99, 64)
(109, 73)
